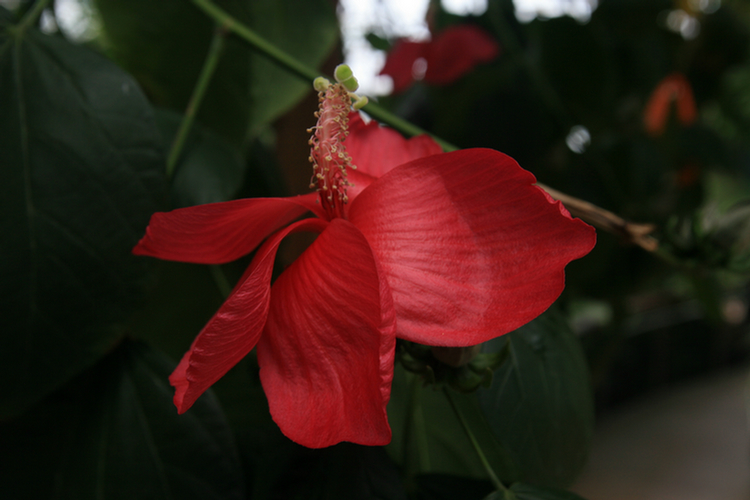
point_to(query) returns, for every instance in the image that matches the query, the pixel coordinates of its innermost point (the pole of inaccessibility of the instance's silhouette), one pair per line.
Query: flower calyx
(467, 378)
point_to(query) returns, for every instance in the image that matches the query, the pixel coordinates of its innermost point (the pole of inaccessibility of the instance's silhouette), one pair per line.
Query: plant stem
(204, 79)
(403, 126)
(303, 71)
(490, 472)
(259, 43)
(638, 234)
(31, 16)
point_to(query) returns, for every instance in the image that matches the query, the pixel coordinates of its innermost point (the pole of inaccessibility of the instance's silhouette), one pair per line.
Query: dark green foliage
(114, 433)
(540, 402)
(81, 174)
(164, 44)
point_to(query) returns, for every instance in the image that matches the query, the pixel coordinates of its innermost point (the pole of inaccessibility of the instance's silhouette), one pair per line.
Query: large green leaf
(428, 437)
(114, 434)
(540, 403)
(209, 169)
(307, 30)
(164, 44)
(80, 172)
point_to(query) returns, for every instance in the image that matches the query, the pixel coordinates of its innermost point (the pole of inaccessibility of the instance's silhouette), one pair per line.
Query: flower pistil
(327, 152)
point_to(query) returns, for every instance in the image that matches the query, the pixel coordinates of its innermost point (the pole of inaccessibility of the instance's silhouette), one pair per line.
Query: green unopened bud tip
(342, 72)
(321, 83)
(345, 77)
(350, 84)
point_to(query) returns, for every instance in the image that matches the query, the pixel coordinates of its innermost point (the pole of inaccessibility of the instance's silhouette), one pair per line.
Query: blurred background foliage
(598, 108)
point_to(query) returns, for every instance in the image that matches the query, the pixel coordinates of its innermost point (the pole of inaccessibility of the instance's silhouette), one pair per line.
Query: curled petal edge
(327, 354)
(236, 327)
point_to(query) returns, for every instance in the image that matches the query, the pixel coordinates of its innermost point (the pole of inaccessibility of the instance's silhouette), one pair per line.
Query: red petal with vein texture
(471, 248)
(376, 150)
(235, 329)
(326, 357)
(219, 232)
(455, 51)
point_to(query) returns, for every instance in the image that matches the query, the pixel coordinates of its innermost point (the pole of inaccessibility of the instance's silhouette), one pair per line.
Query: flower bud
(345, 77)
(320, 83)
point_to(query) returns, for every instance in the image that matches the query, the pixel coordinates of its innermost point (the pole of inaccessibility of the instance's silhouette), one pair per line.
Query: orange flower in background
(448, 56)
(674, 87)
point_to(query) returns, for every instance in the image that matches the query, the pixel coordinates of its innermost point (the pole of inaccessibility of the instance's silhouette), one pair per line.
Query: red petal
(326, 356)
(471, 248)
(219, 232)
(358, 181)
(235, 329)
(400, 63)
(455, 51)
(376, 150)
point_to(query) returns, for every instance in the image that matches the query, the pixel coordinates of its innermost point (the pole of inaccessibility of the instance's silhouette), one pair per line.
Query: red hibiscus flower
(448, 249)
(443, 60)
(674, 87)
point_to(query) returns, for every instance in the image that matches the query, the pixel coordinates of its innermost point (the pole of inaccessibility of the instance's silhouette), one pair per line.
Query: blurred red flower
(673, 88)
(447, 249)
(442, 60)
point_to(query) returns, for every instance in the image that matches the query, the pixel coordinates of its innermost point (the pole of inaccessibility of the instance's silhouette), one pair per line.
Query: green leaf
(306, 29)
(209, 169)
(540, 403)
(378, 42)
(82, 170)
(114, 433)
(164, 44)
(429, 439)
